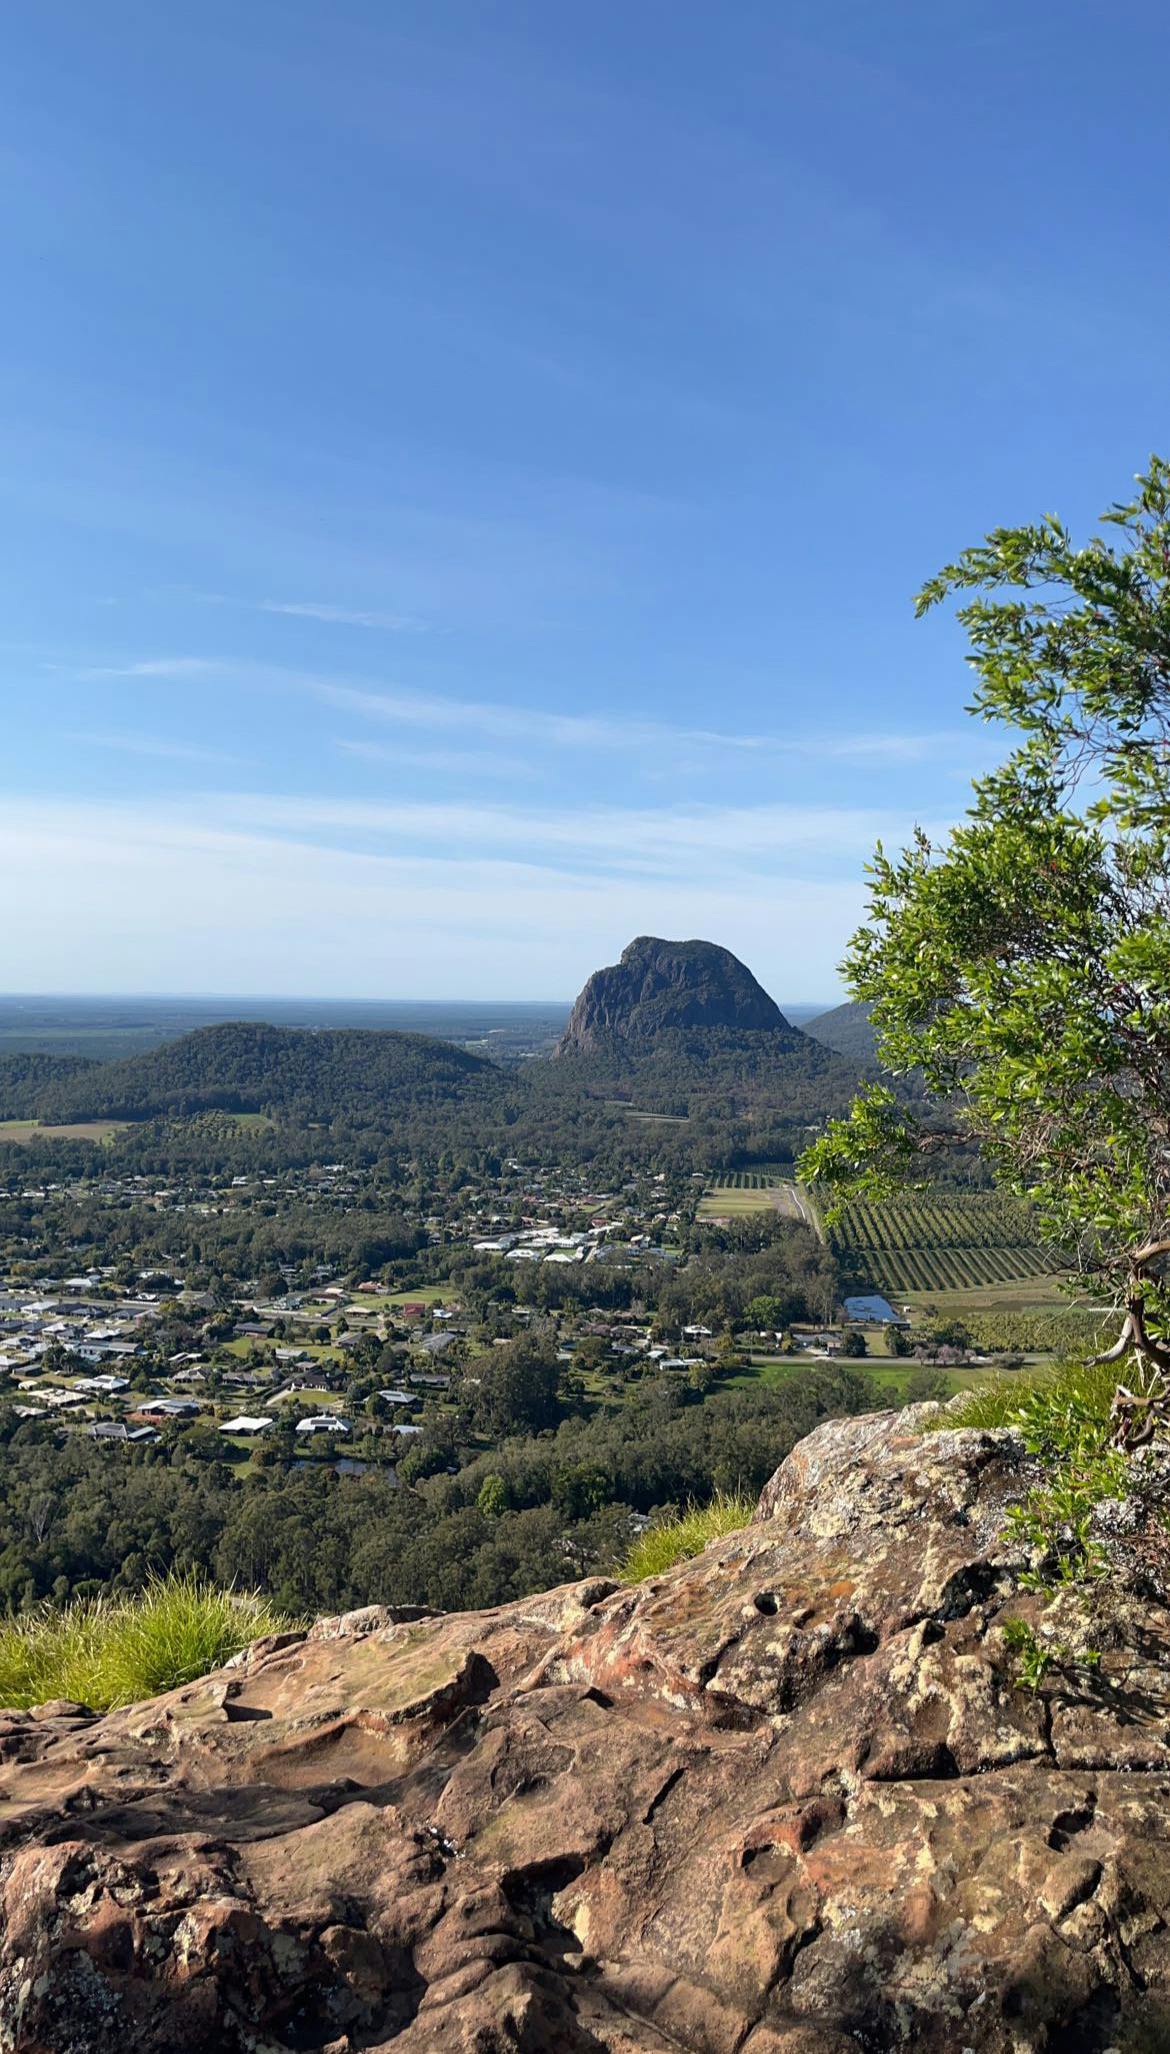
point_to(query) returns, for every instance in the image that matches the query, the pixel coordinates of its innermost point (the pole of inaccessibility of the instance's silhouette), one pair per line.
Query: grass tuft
(684, 1534)
(1087, 1389)
(104, 1652)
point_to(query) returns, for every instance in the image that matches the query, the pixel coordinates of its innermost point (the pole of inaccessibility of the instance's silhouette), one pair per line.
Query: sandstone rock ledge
(782, 1800)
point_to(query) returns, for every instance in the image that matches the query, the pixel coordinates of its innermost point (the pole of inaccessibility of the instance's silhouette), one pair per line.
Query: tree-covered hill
(247, 1067)
(846, 1028)
(703, 1095)
(761, 1089)
(25, 1079)
(692, 1062)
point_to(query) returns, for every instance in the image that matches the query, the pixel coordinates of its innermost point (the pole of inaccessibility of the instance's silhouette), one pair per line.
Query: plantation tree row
(763, 1179)
(945, 1269)
(980, 1220)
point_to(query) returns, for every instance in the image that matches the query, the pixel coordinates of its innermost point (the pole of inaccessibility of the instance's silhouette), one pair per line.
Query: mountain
(847, 1029)
(247, 1067)
(681, 1032)
(675, 1052)
(787, 1797)
(661, 986)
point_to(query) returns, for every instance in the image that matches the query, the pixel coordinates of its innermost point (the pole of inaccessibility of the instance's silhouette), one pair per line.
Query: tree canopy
(1022, 967)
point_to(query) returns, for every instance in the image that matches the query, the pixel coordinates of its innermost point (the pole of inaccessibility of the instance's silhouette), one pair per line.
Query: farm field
(890, 1377)
(737, 1192)
(24, 1131)
(647, 1119)
(940, 1242)
(1023, 1294)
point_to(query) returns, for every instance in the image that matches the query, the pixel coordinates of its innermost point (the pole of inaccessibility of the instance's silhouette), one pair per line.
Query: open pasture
(889, 1377)
(1022, 1294)
(738, 1192)
(23, 1132)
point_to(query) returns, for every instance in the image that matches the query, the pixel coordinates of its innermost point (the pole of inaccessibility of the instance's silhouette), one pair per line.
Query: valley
(469, 1324)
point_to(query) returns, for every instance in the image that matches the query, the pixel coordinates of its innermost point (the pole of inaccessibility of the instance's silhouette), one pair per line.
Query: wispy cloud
(519, 723)
(216, 902)
(344, 616)
(478, 763)
(662, 745)
(748, 842)
(602, 731)
(888, 748)
(153, 745)
(148, 667)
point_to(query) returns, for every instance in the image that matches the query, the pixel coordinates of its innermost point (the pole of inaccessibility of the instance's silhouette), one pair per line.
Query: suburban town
(327, 1364)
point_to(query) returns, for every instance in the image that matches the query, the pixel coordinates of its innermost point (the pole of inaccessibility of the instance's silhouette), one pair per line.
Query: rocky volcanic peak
(787, 1798)
(662, 985)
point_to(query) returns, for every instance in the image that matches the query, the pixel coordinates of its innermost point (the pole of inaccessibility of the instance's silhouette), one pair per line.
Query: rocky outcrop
(659, 987)
(786, 1799)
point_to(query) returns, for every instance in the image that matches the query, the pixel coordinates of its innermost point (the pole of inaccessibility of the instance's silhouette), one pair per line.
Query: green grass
(723, 1203)
(889, 1375)
(25, 1131)
(1004, 1400)
(1026, 1294)
(104, 1652)
(267, 1346)
(738, 1192)
(685, 1534)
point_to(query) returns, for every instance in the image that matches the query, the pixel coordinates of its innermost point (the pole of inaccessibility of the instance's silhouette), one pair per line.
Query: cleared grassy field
(267, 1346)
(379, 1301)
(311, 1400)
(889, 1376)
(747, 1191)
(618, 1105)
(723, 1203)
(24, 1131)
(1025, 1294)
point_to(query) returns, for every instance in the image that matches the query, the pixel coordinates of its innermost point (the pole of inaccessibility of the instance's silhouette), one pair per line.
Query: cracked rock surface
(785, 1799)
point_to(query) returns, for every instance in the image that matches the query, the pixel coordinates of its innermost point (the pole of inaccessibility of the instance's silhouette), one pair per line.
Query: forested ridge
(699, 1095)
(246, 1066)
(28, 1081)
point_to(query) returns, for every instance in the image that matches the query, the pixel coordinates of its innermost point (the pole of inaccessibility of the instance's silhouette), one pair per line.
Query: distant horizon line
(301, 998)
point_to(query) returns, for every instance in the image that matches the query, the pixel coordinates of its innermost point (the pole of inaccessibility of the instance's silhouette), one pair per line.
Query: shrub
(1043, 1404)
(1064, 1417)
(683, 1534)
(104, 1652)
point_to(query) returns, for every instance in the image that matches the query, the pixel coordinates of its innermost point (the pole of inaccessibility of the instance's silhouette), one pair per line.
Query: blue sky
(467, 467)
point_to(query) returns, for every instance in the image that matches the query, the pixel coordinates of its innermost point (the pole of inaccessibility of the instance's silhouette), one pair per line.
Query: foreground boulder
(786, 1799)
